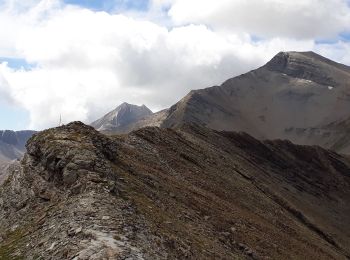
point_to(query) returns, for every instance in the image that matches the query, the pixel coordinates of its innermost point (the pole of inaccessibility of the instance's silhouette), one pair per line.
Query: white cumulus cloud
(88, 62)
(305, 19)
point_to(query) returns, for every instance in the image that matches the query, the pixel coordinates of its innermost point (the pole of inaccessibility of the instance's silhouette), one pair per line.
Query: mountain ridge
(294, 90)
(188, 192)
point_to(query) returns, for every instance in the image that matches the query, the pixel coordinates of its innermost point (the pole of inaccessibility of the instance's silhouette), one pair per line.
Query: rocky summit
(182, 193)
(119, 119)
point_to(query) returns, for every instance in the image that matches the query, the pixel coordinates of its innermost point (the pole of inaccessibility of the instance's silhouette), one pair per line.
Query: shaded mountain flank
(184, 193)
(12, 145)
(299, 96)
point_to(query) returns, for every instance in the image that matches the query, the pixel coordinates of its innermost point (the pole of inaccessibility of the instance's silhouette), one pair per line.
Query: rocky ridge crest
(188, 193)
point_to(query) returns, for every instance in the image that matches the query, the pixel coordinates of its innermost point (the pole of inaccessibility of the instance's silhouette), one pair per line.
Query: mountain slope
(295, 90)
(12, 145)
(335, 135)
(119, 119)
(298, 90)
(185, 193)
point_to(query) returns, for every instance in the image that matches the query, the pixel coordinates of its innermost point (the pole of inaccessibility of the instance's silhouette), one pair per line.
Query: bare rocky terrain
(181, 184)
(182, 193)
(299, 96)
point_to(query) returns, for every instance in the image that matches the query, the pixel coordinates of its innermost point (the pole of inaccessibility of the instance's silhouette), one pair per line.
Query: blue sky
(12, 118)
(17, 63)
(111, 5)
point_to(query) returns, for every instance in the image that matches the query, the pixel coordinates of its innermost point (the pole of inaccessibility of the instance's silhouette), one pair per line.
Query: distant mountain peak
(122, 115)
(299, 55)
(308, 66)
(295, 96)
(125, 104)
(282, 59)
(128, 105)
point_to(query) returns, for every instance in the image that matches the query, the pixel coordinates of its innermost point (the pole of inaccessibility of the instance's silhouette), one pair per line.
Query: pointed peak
(278, 62)
(297, 53)
(122, 115)
(128, 105)
(124, 104)
(307, 65)
(282, 59)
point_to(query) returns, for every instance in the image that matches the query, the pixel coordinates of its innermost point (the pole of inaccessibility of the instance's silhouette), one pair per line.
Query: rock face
(121, 118)
(288, 98)
(185, 193)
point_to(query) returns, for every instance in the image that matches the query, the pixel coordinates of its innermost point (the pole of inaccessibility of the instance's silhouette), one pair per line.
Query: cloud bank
(300, 19)
(86, 62)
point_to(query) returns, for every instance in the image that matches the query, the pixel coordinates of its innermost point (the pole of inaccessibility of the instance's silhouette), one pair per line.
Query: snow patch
(304, 81)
